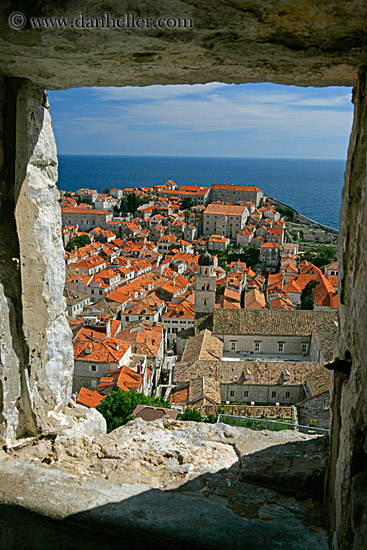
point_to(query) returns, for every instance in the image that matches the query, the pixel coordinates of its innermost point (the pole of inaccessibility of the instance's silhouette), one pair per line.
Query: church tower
(205, 285)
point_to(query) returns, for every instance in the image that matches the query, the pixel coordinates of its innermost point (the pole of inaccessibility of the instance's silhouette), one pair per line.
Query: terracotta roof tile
(89, 398)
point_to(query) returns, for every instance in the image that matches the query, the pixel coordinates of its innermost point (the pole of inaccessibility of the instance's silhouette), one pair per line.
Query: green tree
(286, 212)
(81, 240)
(250, 255)
(187, 216)
(322, 257)
(192, 415)
(117, 408)
(307, 301)
(186, 204)
(133, 201)
(106, 190)
(86, 200)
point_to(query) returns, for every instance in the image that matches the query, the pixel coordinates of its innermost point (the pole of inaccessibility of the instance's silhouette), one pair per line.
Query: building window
(260, 395)
(304, 348)
(280, 346)
(287, 394)
(233, 346)
(93, 368)
(93, 383)
(257, 346)
(245, 394)
(273, 393)
(231, 393)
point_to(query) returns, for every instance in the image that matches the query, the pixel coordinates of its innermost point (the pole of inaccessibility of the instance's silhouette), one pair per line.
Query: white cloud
(290, 96)
(175, 117)
(157, 92)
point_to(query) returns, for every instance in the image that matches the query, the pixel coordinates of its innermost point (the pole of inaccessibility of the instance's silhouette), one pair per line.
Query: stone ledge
(209, 511)
(214, 509)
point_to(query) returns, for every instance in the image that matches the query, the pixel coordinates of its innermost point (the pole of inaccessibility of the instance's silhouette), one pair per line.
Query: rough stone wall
(36, 358)
(347, 483)
(272, 413)
(317, 408)
(299, 42)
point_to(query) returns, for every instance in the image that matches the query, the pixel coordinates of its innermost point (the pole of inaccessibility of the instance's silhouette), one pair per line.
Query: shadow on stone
(212, 511)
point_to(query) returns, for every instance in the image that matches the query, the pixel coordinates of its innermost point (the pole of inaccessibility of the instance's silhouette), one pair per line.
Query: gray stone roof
(247, 372)
(73, 297)
(203, 346)
(204, 388)
(320, 380)
(270, 322)
(326, 336)
(109, 308)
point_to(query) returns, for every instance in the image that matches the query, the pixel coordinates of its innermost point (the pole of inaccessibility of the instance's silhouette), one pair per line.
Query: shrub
(117, 408)
(78, 242)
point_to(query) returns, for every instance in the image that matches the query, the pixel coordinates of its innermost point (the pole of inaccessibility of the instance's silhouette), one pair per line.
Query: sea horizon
(196, 156)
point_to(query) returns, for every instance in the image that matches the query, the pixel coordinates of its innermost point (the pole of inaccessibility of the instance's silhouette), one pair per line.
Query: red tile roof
(109, 350)
(89, 398)
(232, 187)
(83, 210)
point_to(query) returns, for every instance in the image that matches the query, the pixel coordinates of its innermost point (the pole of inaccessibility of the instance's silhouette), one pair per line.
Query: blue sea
(313, 187)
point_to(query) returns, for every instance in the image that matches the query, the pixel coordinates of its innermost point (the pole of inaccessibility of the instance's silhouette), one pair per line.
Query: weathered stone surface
(296, 468)
(36, 354)
(42, 264)
(16, 417)
(167, 453)
(9, 370)
(178, 484)
(347, 489)
(297, 42)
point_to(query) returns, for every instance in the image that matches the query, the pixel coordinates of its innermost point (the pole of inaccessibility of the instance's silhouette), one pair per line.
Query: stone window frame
(349, 297)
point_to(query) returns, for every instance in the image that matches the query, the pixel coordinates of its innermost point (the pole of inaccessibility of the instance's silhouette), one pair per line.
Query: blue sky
(215, 119)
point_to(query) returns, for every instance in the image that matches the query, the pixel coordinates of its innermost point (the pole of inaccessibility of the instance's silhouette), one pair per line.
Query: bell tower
(205, 285)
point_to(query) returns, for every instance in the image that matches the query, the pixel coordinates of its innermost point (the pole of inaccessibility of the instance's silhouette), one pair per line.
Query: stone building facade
(262, 394)
(275, 332)
(225, 220)
(235, 193)
(86, 218)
